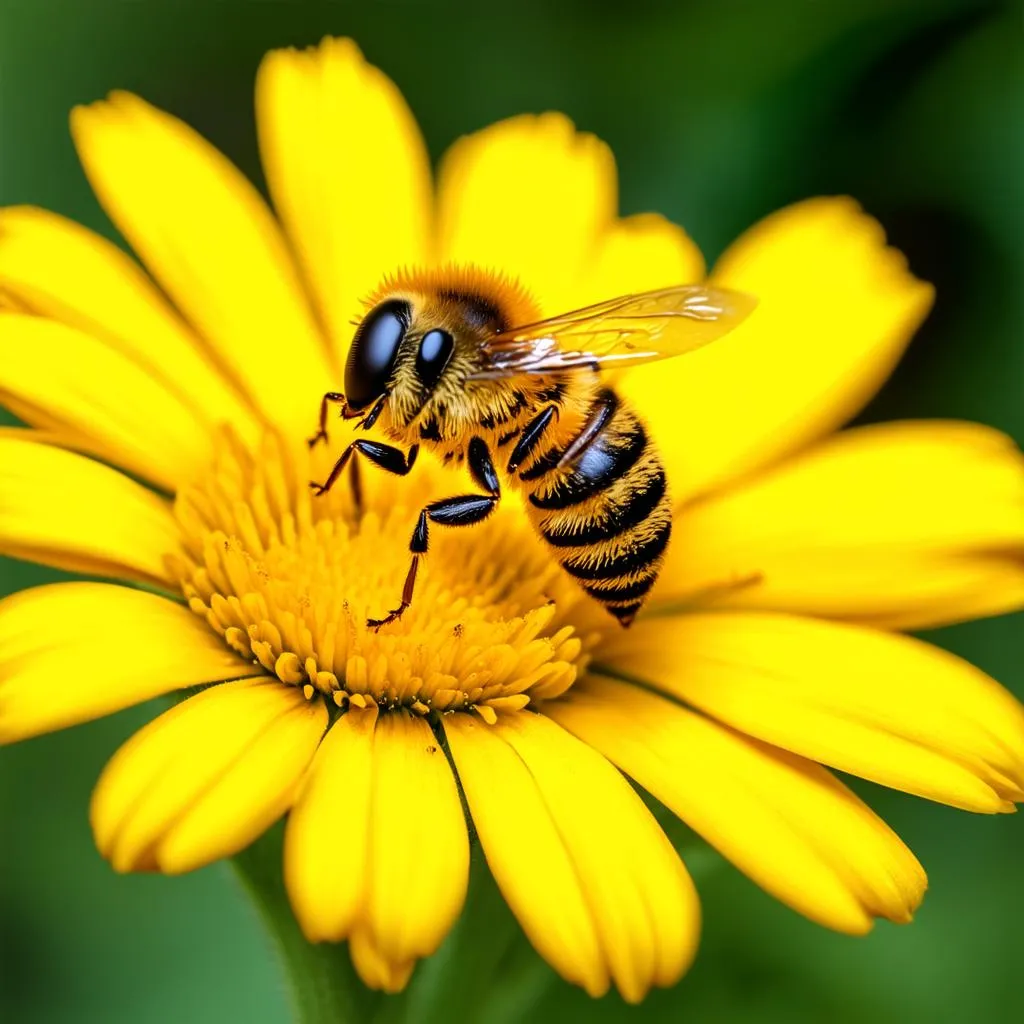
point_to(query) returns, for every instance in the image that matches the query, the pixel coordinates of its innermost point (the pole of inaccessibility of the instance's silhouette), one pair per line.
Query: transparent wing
(627, 330)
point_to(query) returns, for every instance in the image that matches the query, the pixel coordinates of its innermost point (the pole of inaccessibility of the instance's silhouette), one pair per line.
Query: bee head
(374, 356)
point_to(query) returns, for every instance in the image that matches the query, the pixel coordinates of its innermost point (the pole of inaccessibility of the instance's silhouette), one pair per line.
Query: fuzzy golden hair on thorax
(488, 291)
(470, 304)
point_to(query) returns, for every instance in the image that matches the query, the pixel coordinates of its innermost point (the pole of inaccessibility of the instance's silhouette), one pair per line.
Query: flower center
(289, 580)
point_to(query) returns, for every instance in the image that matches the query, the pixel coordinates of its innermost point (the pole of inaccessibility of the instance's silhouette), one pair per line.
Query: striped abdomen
(607, 513)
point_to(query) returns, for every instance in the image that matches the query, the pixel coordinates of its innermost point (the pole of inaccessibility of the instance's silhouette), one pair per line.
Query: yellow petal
(62, 271)
(901, 525)
(885, 707)
(326, 851)
(348, 173)
(97, 400)
(785, 822)
(531, 197)
(595, 883)
(526, 854)
(210, 241)
(835, 310)
(34, 436)
(70, 512)
(206, 778)
(375, 968)
(418, 839)
(71, 652)
(376, 848)
(253, 792)
(640, 253)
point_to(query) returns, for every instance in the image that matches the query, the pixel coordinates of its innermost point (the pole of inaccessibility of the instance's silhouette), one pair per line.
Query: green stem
(485, 955)
(484, 971)
(324, 986)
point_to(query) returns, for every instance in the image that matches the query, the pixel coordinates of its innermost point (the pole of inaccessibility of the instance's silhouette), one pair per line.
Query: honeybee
(460, 363)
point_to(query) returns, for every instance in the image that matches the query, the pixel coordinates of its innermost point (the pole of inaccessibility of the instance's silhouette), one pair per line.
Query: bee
(460, 363)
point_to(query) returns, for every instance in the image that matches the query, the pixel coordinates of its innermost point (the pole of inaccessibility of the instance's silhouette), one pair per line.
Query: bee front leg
(464, 510)
(321, 434)
(392, 459)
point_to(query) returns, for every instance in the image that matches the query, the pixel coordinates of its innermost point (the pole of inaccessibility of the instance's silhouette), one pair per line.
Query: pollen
(289, 580)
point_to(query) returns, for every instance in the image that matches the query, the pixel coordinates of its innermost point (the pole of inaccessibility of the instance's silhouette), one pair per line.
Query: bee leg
(321, 434)
(465, 510)
(394, 460)
(530, 437)
(369, 418)
(356, 482)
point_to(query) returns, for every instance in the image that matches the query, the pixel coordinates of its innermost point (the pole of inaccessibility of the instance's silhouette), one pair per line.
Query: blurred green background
(718, 113)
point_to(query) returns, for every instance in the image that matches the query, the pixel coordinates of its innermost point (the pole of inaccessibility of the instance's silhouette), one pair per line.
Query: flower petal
(326, 847)
(71, 652)
(787, 823)
(836, 309)
(519, 835)
(417, 831)
(640, 253)
(901, 525)
(532, 197)
(380, 804)
(348, 172)
(206, 778)
(56, 507)
(210, 241)
(57, 269)
(97, 400)
(887, 708)
(593, 880)
(375, 968)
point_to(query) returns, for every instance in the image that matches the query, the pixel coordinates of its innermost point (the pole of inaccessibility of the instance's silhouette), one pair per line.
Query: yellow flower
(766, 656)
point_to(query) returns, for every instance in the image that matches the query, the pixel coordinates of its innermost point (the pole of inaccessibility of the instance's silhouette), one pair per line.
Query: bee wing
(624, 331)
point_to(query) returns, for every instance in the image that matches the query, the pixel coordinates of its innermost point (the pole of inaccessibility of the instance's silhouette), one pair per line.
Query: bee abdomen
(621, 571)
(609, 517)
(593, 570)
(609, 457)
(571, 532)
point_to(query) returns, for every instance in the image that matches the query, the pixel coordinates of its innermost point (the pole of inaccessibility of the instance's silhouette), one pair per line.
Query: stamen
(289, 580)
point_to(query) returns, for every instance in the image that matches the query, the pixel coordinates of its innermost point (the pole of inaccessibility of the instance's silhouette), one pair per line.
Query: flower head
(167, 412)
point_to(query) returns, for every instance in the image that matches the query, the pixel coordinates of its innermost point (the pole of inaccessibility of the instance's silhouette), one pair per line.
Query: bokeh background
(718, 112)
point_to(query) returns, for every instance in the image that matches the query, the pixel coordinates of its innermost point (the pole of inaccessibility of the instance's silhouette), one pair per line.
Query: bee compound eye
(435, 351)
(371, 359)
